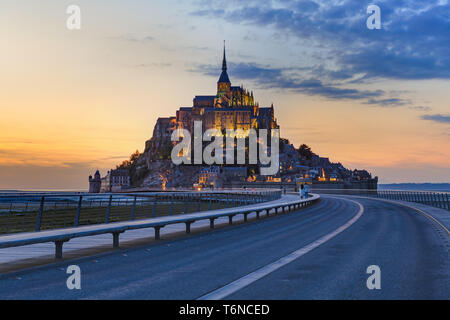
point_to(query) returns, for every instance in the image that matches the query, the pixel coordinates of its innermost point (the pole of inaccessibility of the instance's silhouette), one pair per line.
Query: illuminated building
(232, 107)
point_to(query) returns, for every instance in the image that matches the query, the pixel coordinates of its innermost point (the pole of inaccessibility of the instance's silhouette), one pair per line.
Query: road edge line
(252, 277)
(428, 215)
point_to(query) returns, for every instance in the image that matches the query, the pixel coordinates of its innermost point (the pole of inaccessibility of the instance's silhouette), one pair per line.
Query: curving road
(320, 252)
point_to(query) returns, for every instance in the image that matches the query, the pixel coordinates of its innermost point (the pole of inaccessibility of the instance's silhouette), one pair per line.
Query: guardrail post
(171, 206)
(211, 223)
(108, 210)
(440, 197)
(77, 216)
(230, 220)
(9, 218)
(157, 233)
(133, 208)
(154, 206)
(39, 217)
(445, 201)
(59, 248)
(116, 239)
(186, 203)
(188, 227)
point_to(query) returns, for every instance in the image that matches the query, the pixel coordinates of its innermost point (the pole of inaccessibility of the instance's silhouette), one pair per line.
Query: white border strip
(264, 271)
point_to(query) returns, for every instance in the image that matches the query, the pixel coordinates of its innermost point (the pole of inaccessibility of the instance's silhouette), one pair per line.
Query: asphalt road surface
(320, 252)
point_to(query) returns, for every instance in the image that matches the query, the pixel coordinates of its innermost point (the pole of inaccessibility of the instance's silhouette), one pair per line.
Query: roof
(224, 77)
(119, 172)
(203, 98)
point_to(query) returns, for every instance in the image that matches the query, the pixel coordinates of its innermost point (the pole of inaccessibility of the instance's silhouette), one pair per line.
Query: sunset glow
(76, 101)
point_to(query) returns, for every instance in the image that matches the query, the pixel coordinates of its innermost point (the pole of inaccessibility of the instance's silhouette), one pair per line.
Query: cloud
(420, 108)
(134, 38)
(389, 102)
(288, 78)
(440, 118)
(114, 158)
(153, 65)
(412, 44)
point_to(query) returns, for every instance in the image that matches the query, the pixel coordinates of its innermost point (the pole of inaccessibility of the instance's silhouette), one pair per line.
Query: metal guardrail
(60, 236)
(36, 212)
(432, 198)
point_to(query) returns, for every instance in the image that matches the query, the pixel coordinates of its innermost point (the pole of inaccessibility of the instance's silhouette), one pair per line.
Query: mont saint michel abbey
(232, 107)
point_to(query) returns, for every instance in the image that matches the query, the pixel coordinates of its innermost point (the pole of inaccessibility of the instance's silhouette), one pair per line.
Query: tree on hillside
(305, 152)
(134, 156)
(126, 164)
(136, 168)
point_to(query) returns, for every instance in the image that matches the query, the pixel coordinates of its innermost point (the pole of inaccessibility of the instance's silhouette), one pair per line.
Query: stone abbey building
(232, 107)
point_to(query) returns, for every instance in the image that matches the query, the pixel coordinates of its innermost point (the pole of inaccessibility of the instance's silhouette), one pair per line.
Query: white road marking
(264, 271)
(429, 216)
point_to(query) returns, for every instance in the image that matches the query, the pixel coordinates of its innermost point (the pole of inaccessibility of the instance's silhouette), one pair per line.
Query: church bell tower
(224, 84)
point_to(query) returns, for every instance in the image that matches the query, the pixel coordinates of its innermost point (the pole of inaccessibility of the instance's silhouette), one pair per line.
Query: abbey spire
(224, 84)
(224, 63)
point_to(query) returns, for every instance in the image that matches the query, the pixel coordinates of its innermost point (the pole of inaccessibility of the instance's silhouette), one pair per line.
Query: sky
(73, 101)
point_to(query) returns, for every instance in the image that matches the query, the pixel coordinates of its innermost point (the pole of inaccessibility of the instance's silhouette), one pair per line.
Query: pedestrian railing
(60, 236)
(36, 212)
(432, 198)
